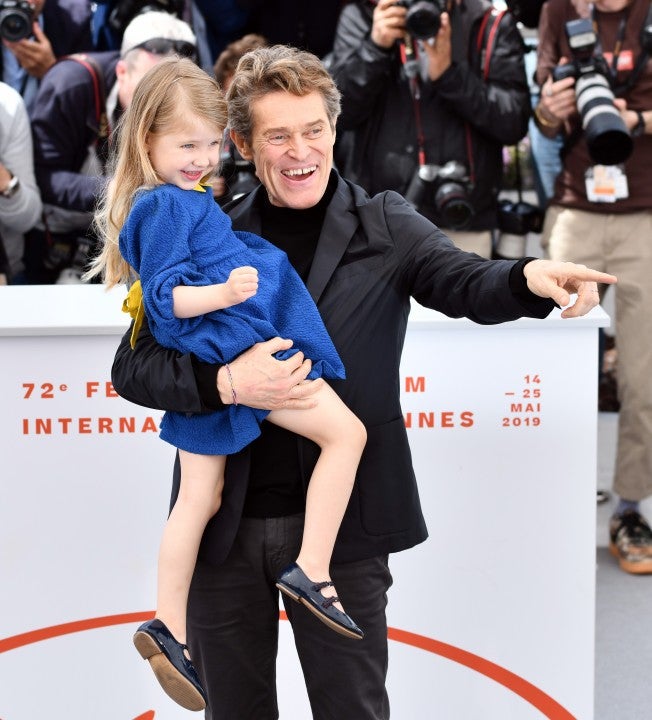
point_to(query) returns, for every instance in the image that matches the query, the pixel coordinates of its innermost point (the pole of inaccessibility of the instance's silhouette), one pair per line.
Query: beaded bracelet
(228, 372)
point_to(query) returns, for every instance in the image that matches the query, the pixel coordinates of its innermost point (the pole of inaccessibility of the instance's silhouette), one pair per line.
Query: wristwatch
(639, 128)
(11, 189)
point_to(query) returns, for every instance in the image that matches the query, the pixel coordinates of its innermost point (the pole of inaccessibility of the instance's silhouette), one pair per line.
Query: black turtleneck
(276, 486)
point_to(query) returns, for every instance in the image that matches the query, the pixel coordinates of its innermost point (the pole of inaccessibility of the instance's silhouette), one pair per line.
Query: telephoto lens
(607, 136)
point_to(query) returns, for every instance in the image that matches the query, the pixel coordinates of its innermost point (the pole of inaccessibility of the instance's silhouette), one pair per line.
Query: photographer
(237, 175)
(35, 34)
(601, 212)
(418, 95)
(77, 106)
(20, 202)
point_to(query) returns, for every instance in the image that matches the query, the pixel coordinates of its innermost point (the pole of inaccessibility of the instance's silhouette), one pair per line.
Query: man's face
(291, 147)
(129, 72)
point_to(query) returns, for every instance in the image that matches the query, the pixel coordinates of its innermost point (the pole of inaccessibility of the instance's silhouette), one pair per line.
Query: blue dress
(180, 237)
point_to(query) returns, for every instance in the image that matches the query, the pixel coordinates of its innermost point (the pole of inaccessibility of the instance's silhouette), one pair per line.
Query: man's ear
(243, 146)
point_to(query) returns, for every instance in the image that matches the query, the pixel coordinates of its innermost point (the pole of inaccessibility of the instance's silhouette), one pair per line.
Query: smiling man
(363, 260)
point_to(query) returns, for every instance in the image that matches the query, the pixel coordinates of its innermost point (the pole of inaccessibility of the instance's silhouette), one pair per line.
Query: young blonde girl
(214, 292)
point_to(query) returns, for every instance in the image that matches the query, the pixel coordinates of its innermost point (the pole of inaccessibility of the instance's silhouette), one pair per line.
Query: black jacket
(377, 107)
(64, 125)
(372, 257)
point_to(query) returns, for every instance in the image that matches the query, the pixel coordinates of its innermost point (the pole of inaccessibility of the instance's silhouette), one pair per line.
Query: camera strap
(102, 128)
(410, 62)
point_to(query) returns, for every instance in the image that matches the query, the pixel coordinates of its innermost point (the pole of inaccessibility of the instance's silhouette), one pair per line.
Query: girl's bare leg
(341, 437)
(200, 494)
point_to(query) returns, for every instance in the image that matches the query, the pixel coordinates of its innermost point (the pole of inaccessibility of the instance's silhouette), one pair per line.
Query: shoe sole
(320, 616)
(182, 691)
(641, 567)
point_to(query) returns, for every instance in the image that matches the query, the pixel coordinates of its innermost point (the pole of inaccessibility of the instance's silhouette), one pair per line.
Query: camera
(607, 136)
(239, 176)
(519, 218)
(16, 19)
(515, 221)
(445, 189)
(423, 17)
(126, 10)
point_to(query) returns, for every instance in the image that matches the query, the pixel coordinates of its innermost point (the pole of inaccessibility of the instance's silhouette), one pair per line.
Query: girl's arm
(193, 300)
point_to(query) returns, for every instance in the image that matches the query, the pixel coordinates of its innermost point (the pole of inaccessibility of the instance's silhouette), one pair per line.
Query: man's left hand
(557, 280)
(34, 55)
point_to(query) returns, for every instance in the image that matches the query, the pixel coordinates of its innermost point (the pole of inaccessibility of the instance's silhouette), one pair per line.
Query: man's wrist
(206, 378)
(517, 280)
(640, 126)
(544, 122)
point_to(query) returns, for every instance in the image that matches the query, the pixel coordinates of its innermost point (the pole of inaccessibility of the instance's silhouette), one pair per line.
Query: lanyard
(613, 70)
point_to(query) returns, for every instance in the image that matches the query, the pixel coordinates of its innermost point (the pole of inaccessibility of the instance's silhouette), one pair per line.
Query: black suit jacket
(373, 256)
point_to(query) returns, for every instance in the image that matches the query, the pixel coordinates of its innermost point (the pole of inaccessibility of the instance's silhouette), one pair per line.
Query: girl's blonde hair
(170, 91)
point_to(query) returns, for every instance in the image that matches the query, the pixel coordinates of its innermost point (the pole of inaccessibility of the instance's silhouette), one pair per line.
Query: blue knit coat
(179, 237)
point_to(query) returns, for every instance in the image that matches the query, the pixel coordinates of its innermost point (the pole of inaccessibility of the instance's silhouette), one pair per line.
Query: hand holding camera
(388, 24)
(557, 102)
(607, 137)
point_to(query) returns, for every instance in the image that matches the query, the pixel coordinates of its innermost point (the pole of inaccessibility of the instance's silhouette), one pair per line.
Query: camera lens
(15, 24)
(453, 205)
(423, 20)
(607, 137)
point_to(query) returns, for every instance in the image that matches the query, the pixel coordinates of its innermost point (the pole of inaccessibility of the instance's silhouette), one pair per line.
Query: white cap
(153, 25)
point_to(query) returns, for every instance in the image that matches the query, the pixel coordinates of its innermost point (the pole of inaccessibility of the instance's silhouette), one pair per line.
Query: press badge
(606, 183)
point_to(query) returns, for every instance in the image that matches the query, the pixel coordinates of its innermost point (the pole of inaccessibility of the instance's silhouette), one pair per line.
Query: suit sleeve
(156, 377)
(442, 277)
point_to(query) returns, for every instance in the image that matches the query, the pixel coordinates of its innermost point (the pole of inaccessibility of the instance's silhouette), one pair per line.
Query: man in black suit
(363, 260)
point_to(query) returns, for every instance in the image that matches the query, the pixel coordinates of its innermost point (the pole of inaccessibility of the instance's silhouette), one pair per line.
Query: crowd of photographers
(433, 91)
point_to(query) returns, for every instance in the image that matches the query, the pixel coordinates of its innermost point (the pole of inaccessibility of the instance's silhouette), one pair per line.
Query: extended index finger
(587, 274)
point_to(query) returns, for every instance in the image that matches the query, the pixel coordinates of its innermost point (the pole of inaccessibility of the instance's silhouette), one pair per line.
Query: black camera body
(445, 190)
(607, 136)
(423, 18)
(16, 20)
(239, 176)
(519, 218)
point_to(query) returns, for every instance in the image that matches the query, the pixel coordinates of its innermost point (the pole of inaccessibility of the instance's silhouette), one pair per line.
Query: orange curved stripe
(550, 708)
(16, 641)
(530, 693)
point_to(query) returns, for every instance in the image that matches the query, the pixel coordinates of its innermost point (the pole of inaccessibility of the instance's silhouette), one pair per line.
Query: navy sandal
(174, 671)
(297, 585)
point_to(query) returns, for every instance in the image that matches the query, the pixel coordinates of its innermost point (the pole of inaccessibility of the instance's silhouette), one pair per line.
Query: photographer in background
(601, 212)
(35, 34)
(431, 93)
(237, 175)
(77, 106)
(20, 202)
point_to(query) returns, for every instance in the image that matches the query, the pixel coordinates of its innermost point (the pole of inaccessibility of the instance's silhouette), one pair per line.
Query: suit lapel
(339, 226)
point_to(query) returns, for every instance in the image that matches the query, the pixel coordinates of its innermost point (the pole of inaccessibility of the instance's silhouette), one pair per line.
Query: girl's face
(186, 154)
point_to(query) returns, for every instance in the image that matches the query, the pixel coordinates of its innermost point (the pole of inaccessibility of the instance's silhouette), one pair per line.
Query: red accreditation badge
(625, 60)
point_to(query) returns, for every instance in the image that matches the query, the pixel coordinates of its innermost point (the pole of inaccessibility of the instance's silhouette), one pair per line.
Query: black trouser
(233, 631)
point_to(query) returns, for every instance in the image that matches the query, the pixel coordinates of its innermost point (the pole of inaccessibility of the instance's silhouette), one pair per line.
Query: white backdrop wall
(492, 618)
